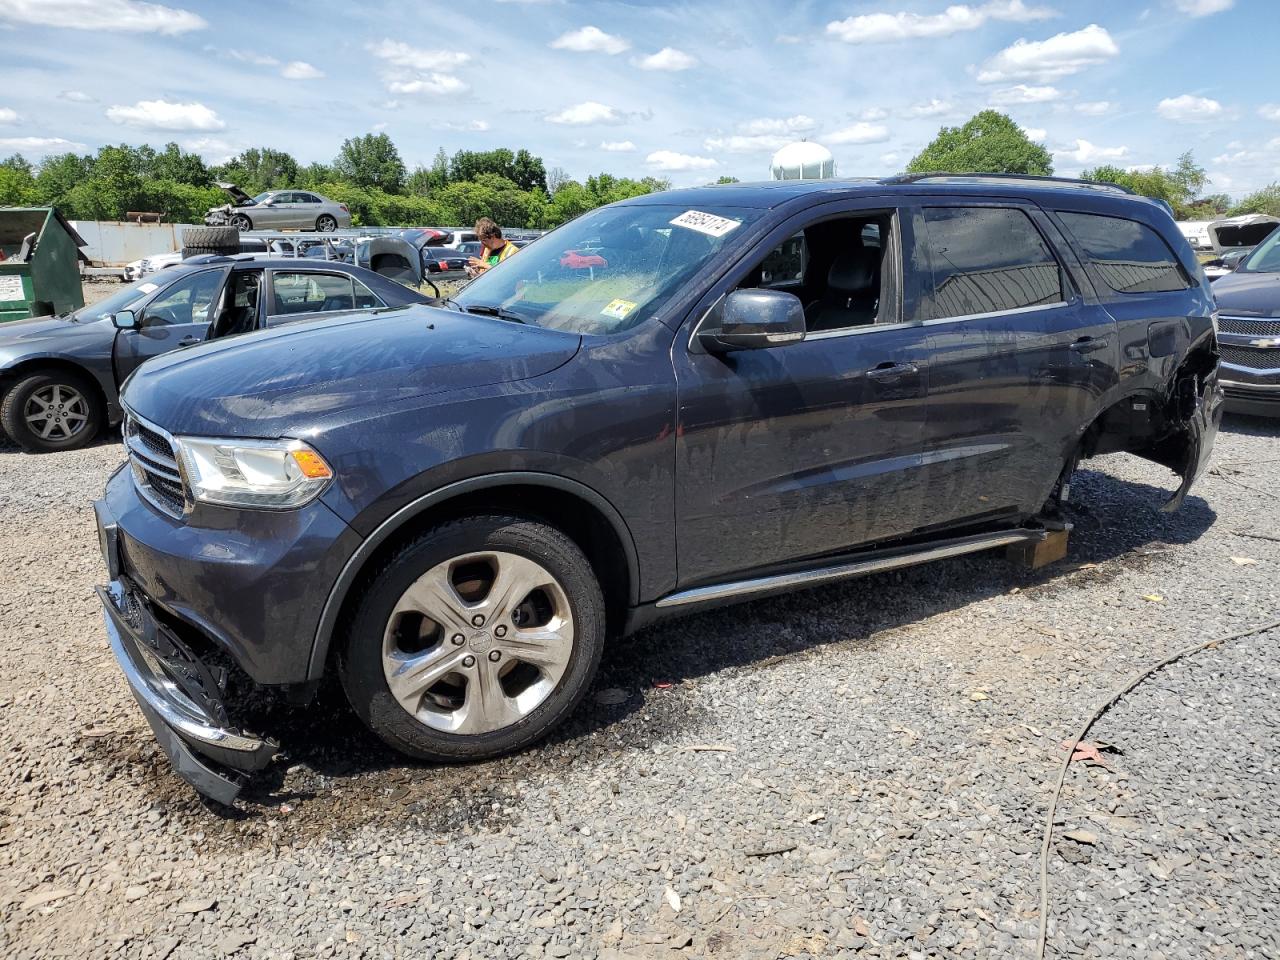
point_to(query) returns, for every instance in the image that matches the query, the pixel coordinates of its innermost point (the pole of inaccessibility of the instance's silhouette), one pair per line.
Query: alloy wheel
(56, 412)
(477, 643)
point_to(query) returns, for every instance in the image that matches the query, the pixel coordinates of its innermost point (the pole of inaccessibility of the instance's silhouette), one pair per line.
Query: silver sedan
(280, 210)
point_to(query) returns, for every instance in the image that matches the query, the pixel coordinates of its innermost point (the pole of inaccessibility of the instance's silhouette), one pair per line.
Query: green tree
(1179, 187)
(259, 169)
(59, 174)
(990, 142)
(17, 185)
(177, 165)
(528, 171)
(724, 179)
(371, 161)
(1266, 200)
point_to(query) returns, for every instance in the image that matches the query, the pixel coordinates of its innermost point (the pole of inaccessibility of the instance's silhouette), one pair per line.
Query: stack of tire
(223, 241)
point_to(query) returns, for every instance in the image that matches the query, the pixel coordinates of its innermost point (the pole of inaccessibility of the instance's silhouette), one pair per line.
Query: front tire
(52, 410)
(475, 639)
(326, 224)
(241, 222)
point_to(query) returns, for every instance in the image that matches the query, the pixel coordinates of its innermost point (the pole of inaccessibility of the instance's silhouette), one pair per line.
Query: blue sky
(688, 91)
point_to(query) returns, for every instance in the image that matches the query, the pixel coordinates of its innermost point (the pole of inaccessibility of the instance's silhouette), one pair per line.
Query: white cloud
(930, 108)
(755, 143)
(1021, 93)
(860, 132)
(779, 125)
(669, 59)
(247, 56)
(300, 70)
(163, 115)
(888, 27)
(1086, 153)
(1094, 108)
(416, 58)
(471, 126)
(591, 40)
(76, 96)
(1189, 109)
(432, 84)
(8, 115)
(1035, 133)
(119, 16)
(873, 113)
(212, 149)
(1203, 8)
(39, 146)
(1269, 111)
(672, 162)
(617, 146)
(1043, 60)
(890, 158)
(582, 114)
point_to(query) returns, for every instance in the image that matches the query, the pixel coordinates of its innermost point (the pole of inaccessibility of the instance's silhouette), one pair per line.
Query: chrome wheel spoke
(47, 432)
(415, 675)
(517, 577)
(75, 417)
(547, 647)
(487, 706)
(433, 596)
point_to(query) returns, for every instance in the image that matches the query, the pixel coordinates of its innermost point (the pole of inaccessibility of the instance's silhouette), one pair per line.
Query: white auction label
(11, 288)
(707, 223)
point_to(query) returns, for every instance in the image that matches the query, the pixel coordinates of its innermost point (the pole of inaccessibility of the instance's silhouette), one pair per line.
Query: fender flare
(355, 563)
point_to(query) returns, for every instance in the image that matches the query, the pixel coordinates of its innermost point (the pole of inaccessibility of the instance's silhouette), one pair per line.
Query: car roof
(773, 193)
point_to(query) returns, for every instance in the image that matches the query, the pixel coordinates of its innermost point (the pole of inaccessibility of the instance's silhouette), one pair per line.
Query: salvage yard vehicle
(59, 376)
(768, 387)
(279, 210)
(1249, 331)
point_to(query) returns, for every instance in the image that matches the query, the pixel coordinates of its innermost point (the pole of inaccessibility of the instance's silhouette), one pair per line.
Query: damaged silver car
(279, 210)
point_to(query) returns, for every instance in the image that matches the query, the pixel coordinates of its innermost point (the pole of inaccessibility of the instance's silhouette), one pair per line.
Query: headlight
(272, 474)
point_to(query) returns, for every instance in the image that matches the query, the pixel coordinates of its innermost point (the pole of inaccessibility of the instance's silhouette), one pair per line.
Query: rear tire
(326, 224)
(52, 410)
(489, 627)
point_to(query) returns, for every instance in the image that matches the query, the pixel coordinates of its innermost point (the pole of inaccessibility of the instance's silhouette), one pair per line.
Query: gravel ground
(857, 771)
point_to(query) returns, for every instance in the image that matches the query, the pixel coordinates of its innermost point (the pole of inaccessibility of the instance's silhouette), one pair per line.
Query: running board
(872, 563)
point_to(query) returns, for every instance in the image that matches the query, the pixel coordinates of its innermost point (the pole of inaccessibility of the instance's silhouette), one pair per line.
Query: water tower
(803, 160)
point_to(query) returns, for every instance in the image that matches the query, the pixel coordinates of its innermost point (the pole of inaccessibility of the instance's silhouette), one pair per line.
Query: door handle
(1090, 344)
(892, 371)
(188, 341)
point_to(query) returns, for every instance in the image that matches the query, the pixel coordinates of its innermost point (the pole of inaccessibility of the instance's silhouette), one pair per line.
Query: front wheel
(326, 224)
(241, 222)
(52, 410)
(476, 639)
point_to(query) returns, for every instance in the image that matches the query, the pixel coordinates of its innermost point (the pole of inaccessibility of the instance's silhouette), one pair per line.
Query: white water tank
(803, 160)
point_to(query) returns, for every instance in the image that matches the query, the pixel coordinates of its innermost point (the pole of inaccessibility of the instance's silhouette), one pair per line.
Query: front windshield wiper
(489, 310)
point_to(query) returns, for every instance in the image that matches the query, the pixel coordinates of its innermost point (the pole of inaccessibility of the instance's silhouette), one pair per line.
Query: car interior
(238, 311)
(838, 268)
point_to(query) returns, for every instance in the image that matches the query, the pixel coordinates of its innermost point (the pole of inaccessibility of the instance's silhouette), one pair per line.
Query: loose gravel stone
(906, 813)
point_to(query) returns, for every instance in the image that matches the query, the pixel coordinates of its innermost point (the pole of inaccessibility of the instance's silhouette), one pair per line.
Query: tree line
(368, 174)
(512, 187)
(992, 142)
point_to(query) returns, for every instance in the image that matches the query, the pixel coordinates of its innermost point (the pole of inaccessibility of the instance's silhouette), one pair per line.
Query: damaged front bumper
(180, 695)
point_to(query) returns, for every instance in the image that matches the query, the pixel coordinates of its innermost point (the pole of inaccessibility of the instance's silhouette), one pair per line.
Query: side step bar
(873, 562)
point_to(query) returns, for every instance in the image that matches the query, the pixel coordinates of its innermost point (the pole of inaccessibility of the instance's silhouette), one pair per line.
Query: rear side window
(319, 293)
(987, 260)
(1129, 256)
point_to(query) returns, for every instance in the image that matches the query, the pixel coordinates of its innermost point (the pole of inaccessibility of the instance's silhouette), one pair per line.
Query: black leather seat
(852, 297)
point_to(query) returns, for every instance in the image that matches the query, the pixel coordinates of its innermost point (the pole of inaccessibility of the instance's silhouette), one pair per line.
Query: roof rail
(1009, 177)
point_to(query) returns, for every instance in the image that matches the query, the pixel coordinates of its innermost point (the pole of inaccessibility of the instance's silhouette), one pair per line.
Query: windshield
(127, 298)
(606, 271)
(262, 197)
(1265, 257)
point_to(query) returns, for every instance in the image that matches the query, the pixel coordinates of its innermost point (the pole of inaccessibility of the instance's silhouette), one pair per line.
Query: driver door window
(187, 301)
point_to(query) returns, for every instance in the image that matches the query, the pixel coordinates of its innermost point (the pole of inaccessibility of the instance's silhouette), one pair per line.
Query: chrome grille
(1266, 359)
(155, 466)
(1249, 326)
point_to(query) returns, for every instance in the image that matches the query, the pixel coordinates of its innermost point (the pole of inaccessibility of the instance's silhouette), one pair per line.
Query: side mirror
(755, 320)
(125, 320)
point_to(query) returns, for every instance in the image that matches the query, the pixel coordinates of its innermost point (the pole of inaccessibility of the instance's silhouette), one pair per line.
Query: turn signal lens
(311, 465)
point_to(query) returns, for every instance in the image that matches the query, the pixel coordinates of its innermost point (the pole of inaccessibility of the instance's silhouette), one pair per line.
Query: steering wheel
(166, 315)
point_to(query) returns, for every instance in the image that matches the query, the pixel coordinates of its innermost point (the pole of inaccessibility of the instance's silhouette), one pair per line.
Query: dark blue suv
(743, 390)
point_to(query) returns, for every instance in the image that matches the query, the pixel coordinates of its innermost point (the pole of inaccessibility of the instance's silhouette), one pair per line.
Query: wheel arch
(582, 513)
(10, 376)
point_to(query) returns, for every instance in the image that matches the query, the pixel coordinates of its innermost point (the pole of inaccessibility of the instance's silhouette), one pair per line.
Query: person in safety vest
(496, 248)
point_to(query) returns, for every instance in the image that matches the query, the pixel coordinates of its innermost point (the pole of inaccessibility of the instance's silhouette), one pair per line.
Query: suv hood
(1248, 294)
(288, 381)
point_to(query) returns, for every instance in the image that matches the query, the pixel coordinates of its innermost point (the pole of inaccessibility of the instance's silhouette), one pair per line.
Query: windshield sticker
(707, 223)
(148, 287)
(618, 309)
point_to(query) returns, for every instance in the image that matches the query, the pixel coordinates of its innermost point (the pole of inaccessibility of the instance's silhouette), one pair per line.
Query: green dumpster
(39, 263)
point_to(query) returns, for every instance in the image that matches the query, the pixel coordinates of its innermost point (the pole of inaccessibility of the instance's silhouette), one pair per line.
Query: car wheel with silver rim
(241, 222)
(326, 223)
(475, 639)
(52, 410)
